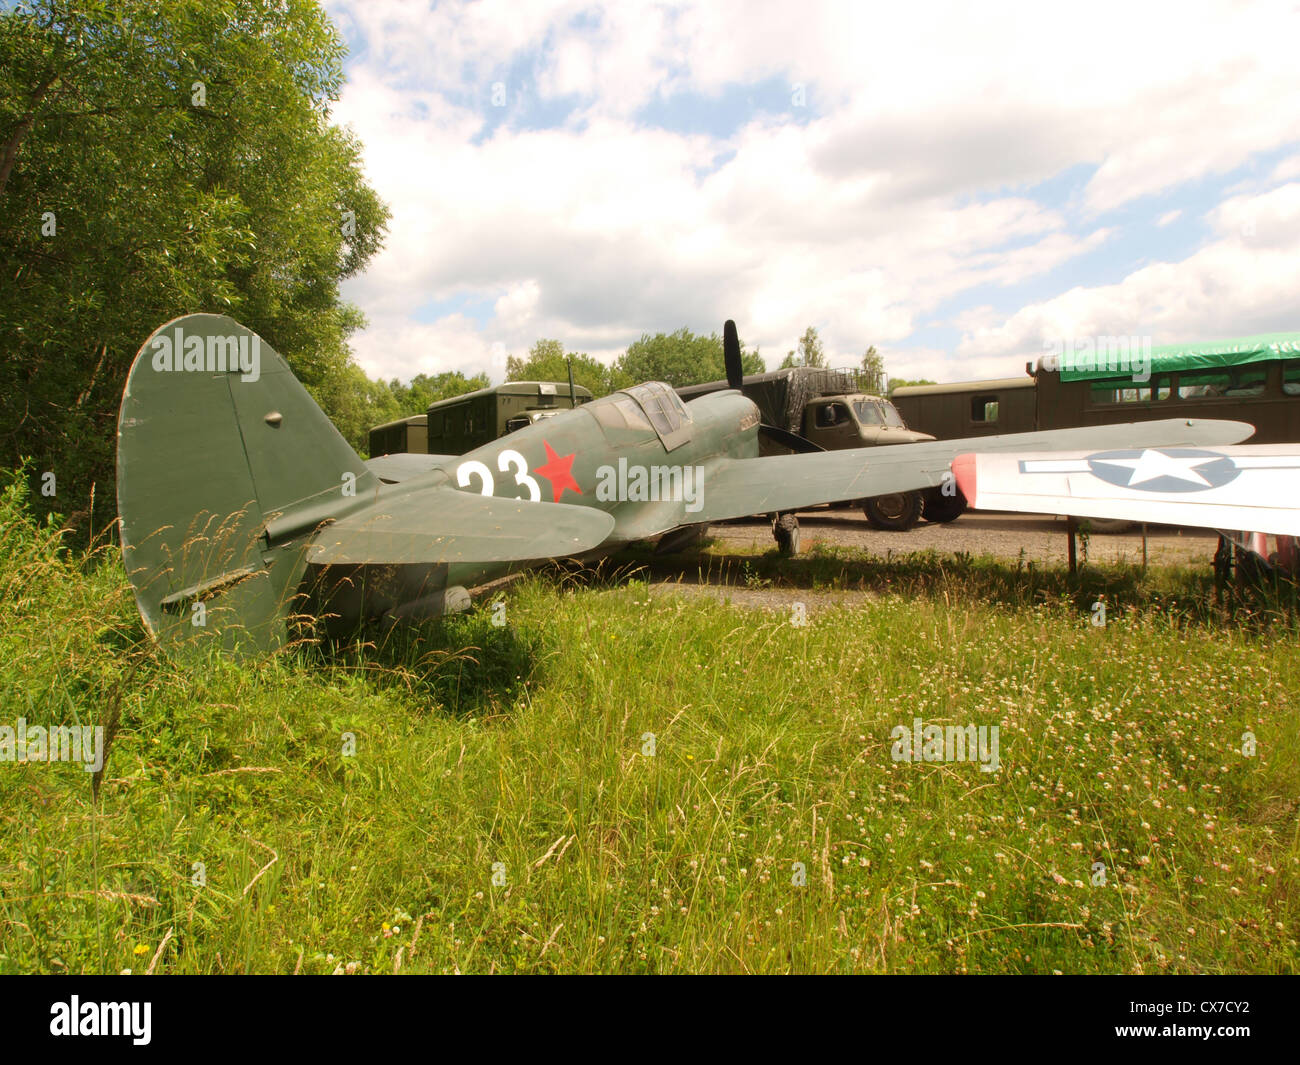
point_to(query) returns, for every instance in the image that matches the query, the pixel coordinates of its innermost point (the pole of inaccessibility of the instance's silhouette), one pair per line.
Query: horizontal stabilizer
(442, 524)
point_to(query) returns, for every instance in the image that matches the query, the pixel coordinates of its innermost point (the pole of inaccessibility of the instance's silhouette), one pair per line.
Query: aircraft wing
(442, 524)
(1253, 487)
(735, 488)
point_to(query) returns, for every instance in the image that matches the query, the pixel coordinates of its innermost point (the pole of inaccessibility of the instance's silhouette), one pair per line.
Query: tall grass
(769, 831)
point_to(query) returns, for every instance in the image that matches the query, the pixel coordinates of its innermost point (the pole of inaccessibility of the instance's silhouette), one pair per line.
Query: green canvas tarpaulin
(1120, 356)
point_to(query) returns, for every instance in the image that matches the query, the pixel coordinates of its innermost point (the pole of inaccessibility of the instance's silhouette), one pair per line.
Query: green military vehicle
(970, 408)
(463, 423)
(836, 410)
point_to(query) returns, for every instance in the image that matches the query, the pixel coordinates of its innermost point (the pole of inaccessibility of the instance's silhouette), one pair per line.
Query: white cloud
(906, 185)
(402, 349)
(1241, 283)
(1287, 170)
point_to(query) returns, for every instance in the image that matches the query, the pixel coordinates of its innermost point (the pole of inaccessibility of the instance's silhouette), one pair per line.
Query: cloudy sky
(958, 184)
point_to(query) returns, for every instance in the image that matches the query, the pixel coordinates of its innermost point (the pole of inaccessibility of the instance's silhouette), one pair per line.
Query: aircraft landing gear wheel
(786, 530)
(896, 512)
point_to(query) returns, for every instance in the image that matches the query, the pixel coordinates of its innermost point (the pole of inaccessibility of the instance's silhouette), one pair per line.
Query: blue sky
(959, 186)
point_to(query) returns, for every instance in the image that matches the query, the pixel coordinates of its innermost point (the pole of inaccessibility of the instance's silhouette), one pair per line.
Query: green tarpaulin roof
(1123, 356)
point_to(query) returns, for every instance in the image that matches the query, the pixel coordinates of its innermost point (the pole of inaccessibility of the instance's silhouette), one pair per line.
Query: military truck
(462, 423)
(837, 409)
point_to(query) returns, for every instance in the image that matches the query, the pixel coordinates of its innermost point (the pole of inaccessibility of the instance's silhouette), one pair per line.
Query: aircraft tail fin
(224, 465)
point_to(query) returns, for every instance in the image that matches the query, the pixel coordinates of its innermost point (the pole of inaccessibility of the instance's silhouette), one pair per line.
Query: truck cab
(829, 408)
(856, 420)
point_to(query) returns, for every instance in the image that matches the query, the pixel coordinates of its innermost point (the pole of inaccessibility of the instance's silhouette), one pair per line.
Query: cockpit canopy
(651, 405)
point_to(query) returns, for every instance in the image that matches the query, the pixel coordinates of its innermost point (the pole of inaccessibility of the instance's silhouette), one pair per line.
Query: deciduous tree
(159, 158)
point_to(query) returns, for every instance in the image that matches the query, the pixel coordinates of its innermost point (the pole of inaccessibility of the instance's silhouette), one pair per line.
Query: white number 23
(508, 460)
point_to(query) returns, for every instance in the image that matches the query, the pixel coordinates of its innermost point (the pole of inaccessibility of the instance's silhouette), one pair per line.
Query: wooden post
(1144, 545)
(1071, 527)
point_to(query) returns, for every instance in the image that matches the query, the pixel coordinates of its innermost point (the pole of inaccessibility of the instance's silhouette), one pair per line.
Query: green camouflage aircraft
(243, 509)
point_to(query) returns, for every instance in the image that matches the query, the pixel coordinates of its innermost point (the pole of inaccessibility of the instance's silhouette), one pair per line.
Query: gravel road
(982, 533)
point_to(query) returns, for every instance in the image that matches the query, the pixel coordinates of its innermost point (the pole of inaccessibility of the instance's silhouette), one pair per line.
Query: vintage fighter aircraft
(1254, 487)
(242, 507)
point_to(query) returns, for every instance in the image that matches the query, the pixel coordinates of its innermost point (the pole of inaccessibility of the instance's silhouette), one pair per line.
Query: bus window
(435, 426)
(1291, 378)
(984, 408)
(1229, 382)
(1125, 390)
(1114, 392)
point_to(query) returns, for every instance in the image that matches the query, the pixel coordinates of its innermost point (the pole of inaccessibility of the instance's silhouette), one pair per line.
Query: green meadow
(622, 778)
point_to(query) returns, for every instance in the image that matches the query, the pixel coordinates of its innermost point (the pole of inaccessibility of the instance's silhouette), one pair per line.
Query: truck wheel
(896, 512)
(786, 531)
(942, 508)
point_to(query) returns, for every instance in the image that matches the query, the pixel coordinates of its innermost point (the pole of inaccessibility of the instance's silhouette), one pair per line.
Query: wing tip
(963, 469)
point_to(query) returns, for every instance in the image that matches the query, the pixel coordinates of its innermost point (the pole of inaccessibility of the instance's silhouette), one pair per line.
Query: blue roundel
(1164, 469)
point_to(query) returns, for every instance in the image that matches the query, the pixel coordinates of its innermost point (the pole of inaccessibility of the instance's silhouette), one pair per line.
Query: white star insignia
(1151, 465)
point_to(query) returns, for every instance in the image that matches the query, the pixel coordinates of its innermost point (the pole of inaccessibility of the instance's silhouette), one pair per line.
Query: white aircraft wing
(1248, 486)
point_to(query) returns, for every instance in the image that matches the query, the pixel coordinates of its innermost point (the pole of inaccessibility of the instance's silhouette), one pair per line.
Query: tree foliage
(809, 352)
(873, 370)
(873, 363)
(547, 361)
(681, 358)
(425, 389)
(156, 159)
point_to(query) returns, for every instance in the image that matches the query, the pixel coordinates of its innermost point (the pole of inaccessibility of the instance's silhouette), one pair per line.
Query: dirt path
(982, 533)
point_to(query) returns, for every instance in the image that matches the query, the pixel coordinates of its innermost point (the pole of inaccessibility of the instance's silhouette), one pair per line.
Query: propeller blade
(731, 355)
(785, 438)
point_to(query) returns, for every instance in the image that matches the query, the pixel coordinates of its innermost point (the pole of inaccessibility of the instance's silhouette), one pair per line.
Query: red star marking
(559, 471)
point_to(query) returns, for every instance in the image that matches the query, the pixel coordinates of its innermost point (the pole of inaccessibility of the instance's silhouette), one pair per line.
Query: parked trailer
(1251, 379)
(970, 408)
(462, 423)
(406, 436)
(1121, 379)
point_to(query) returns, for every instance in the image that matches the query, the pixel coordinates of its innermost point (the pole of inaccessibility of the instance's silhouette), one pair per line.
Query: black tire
(896, 512)
(786, 531)
(942, 508)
